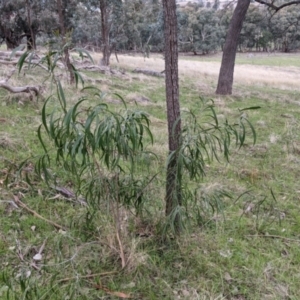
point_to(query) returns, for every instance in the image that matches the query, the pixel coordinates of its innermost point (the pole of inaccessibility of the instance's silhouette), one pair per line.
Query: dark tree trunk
(225, 81)
(105, 33)
(11, 40)
(173, 188)
(30, 42)
(10, 44)
(63, 35)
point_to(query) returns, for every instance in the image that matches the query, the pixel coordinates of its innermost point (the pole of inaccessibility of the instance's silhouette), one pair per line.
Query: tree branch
(275, 7)
(20, 89)
(20, 203)
(8, 54)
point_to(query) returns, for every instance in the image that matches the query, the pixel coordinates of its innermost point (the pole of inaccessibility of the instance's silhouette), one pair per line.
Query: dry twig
(121, 249)
(20, 203)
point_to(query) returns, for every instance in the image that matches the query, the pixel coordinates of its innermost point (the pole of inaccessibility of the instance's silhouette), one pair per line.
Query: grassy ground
(249, 250)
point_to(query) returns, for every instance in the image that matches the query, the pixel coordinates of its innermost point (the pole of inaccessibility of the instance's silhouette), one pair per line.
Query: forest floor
(53, 247)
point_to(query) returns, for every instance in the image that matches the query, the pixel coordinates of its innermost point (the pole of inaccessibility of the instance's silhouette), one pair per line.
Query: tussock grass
(250, 250)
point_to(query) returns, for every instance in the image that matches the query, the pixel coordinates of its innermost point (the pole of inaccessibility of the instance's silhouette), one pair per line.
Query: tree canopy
(137, 25)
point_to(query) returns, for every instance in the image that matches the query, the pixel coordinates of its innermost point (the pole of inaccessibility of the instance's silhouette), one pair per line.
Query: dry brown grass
(271, 76)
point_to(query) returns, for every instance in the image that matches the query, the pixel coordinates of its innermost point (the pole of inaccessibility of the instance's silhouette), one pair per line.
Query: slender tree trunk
(105, 33)
(225, 81)
(63, 35)
(173, 188)
(31, 37)
(69, 65)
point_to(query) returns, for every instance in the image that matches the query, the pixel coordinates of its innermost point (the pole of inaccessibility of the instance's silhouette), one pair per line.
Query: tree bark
(105, 33)
(173, 188)
(225, 81)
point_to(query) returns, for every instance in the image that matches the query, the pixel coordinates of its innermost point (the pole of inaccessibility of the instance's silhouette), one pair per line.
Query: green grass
(254, 58)
(250, 250)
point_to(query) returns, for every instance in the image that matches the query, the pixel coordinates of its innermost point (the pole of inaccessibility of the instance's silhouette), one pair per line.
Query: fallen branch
(150, 72)
(103, 70)
(8, 62)
(36, 89)
(8, 54)
(20, 203)
(122, 256)
(21, 89)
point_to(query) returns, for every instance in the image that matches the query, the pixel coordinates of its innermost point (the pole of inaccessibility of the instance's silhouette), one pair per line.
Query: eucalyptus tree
(277, 5)
(173, 187)
(253, 34)
(65, 9)
(9, 29)
(229, 51)
(16, 22)
(87, 27)
(133, 22)
(26, 19)
(105, 24)
(191, 142)
(111, 26)
(37, 17)
(152, 29)
(285, 30)
(101, 147)
(225, 80)
(143, 26)
(200, 29)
